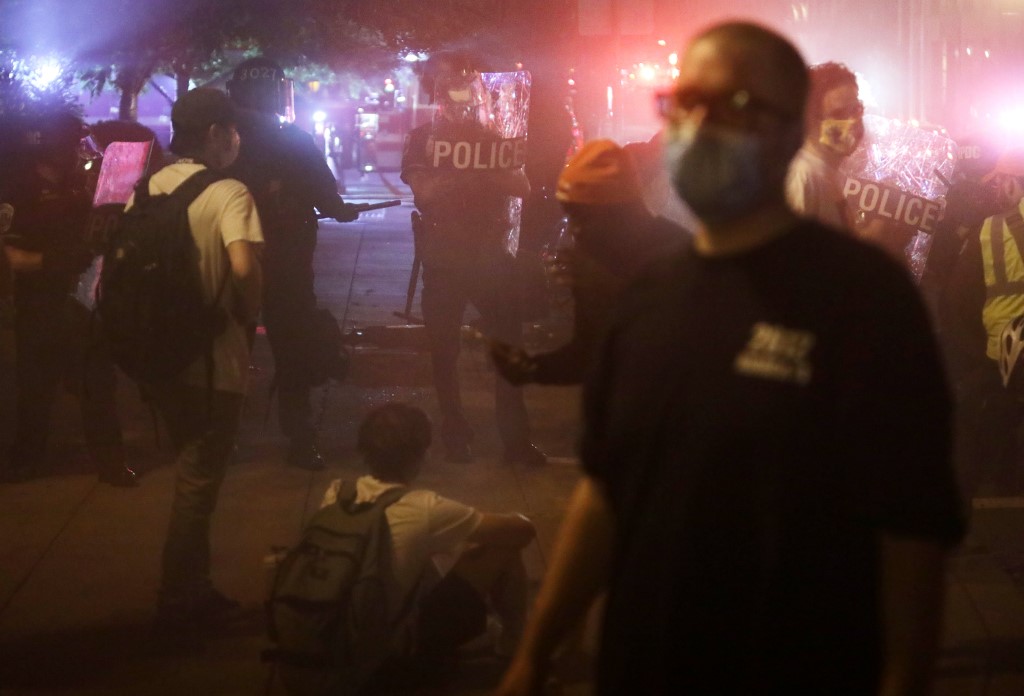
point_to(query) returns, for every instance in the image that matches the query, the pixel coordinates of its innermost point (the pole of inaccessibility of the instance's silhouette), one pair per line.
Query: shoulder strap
(347, 495)
(192, 187)
(142, 190)
(1015, 223)
(188, 189)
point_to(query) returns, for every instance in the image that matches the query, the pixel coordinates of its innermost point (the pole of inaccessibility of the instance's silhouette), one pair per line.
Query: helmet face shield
(461, 98)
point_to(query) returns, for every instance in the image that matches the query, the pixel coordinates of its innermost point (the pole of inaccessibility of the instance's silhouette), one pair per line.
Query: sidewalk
(79, 560)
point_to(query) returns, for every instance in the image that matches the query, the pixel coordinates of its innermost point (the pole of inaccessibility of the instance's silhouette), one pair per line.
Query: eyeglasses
(739, 108)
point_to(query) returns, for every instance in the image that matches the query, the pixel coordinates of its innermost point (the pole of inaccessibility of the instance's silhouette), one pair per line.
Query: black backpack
(328, 612)
(150, 301)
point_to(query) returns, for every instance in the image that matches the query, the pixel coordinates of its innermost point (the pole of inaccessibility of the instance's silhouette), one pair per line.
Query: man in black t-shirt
(768, 495)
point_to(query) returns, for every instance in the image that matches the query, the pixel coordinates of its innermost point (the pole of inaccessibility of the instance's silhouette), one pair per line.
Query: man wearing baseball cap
(203, 422)
(613, 238)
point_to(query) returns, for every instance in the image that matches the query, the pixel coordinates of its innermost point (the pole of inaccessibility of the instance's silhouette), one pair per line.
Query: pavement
(79, 560)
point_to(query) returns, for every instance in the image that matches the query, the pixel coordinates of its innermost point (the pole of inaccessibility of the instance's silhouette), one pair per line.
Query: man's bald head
(764, 62)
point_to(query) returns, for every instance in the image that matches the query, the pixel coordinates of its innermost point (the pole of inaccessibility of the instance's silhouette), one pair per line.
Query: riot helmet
(55, 134)
(976, 156)
(462, 99)
(56, 138)
(259, 84)
(1011, 347)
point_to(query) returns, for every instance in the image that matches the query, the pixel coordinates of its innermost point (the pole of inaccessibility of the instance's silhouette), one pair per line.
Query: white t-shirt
(222, 214)
(424, 527)
(813, 189)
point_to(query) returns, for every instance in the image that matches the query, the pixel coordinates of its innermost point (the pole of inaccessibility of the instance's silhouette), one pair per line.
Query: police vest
(1002, 240)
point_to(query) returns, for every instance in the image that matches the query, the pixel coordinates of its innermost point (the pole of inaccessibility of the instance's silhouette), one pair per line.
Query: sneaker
(305, 457)
(119, 477)
(529, 455)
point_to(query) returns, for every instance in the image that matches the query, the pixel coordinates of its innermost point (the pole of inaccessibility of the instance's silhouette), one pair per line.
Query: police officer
(984, 294)
(291, 182)
(464, 222)
(969, 201)
(46, 207)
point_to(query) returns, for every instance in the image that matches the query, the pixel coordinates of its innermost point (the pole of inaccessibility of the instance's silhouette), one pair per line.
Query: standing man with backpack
(290, 181)
(200, 405)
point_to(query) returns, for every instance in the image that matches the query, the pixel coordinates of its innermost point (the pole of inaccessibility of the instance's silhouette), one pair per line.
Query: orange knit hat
(601, 173)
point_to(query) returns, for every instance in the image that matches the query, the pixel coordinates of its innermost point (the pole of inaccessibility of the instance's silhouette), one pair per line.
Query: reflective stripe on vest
(1002, 239)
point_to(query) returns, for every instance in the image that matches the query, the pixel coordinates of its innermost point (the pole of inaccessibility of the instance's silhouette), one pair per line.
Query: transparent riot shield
(481, 125)
(900, 175)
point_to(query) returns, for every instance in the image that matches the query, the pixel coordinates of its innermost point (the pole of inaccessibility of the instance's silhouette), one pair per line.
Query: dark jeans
(446, 293)
(288, 306)
(988, 419)
(203, 426)
(54, 346)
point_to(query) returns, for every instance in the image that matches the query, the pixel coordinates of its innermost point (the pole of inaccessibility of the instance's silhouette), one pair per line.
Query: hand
(514, 364)
(348, 213)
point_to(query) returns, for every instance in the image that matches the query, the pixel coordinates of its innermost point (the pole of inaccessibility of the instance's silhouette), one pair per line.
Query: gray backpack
(328, 611)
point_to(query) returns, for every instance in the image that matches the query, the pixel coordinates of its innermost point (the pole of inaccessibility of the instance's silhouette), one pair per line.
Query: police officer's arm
(579, 570)
(431, 186)
(512, 182)
(323, 187)
(247, 278)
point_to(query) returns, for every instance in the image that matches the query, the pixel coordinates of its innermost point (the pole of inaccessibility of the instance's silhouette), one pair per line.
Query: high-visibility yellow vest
(1002, 241)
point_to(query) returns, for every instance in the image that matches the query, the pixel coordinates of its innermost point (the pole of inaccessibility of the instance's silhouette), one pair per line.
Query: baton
(366, 207)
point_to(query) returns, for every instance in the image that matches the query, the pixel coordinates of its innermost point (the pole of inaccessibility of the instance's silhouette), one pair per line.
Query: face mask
(715, 171)
(841, 136)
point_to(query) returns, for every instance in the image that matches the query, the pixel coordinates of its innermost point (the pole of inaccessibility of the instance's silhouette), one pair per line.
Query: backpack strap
(1015, 223)
(189, 190)
(347, 496)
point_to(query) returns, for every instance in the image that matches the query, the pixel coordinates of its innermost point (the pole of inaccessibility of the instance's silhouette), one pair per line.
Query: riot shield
(481, 125)
(900, 175)
(122, 167)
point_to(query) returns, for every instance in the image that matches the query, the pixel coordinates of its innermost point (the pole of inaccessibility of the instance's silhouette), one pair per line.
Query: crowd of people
(782, 431)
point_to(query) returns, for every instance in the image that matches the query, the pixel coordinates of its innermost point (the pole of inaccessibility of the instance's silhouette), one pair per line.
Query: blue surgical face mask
(717, 171)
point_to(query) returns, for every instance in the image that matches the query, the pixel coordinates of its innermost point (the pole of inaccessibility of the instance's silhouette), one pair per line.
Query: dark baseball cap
(193, 114)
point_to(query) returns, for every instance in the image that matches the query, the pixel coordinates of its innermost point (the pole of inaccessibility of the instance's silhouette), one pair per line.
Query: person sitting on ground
(484, 549)
(613, 238)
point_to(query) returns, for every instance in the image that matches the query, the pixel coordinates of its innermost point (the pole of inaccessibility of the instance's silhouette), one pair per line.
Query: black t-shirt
(756, 421)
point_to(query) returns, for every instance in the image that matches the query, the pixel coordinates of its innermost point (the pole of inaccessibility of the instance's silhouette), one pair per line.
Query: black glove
(514, 364)
(347, 213)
